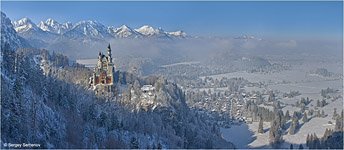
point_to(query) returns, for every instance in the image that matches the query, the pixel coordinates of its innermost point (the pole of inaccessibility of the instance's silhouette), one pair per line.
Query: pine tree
(8, 57)
(307, 140)
(292, 128)
(297, 104)
(311, 141)
(294, 124)
(159, 146)
(287, 115)
(134, 144)
(260, 127)
(310, 112)
(323, 103)
(275, 134)
(326, 134)
(318, 103)
(339, 124)
(303, 107)
(323, 114)
(18, 87)
(315, 142)
(291, 146)
(271, 97)
(279, 117)
(300, 147)
(305, 118)
(318, 114)
(334, 116)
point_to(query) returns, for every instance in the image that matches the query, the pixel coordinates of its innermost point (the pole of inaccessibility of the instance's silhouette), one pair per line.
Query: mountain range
(51, 30)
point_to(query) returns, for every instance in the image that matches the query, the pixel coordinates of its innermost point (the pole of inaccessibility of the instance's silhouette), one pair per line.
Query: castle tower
(100, 60)
(109, 53)
(111, 68)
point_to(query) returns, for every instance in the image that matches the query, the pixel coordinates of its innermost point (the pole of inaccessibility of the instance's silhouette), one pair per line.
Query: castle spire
(109, 53)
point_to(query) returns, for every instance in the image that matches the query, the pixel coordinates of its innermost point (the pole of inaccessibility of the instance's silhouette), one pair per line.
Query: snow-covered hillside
(9, 35)
(46, 100)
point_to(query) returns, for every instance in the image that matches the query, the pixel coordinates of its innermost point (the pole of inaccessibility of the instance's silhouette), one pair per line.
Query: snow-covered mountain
(51, 32)
(149, 31)
(124, 32)
(31, 32)
(91, 29)
(248, 37)
(88, 29)
(53, 26)
(9, 35)
(25, 25)
(180, 34)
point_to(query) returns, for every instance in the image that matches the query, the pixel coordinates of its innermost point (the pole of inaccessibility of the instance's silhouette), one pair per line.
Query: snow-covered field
(313, 87)
(240, 135)
(246, 135)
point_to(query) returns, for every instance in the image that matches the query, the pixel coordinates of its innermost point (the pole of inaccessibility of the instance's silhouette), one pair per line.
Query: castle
(102, 79)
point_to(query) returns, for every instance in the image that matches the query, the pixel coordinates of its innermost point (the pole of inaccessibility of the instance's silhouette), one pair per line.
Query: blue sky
(264, 19)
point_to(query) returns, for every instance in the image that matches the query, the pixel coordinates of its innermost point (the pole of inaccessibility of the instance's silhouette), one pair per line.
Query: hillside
(36, 113)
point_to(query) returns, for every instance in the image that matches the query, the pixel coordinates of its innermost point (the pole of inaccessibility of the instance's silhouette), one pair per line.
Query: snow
(148, 30)
(239, 135)
(178, 33)
(260, 139)
(147, 88)
(295, 76)
(53, 26)
(123, 32)
(24, 24)
(297, 79)
(313, 87)
(246, 136)
(271, 108)
(90, 29)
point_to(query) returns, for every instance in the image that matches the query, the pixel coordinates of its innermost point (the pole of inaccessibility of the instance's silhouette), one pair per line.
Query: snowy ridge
(92, 29)
(25, 25)
(88, 29)
(53, 26)
(248, 37)
(123, 32)
(31, 32)
(178, 34)
(150, 31)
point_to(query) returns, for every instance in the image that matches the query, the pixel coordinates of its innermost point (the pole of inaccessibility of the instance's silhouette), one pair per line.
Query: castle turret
(111, 68)
(100, 60)
(109, 53)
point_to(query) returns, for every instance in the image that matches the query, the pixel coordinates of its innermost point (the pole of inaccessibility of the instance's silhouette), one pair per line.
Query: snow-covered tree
(294, 124)
(260, 126)
(305, 118)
